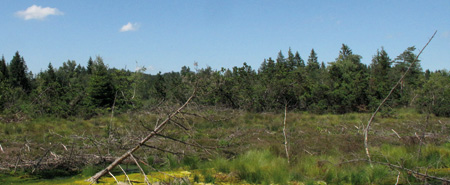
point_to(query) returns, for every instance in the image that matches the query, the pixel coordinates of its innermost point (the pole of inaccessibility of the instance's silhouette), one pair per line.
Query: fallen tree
(153, 133)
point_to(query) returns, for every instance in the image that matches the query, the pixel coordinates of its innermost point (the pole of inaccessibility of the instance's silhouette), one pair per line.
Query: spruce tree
(299, 63)
(4, 74)
(90, 65)
(18, 71)
(313, 63)
(100, 90)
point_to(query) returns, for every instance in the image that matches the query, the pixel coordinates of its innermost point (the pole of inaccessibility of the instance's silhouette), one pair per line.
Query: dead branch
(162, 150)
(398, 177)
(143, 173)
(426, 176)
(366, 130)
(113, 177)
(179, 125)
(40, 160)
(185, 143)
(129, 181)
(284, 133)
(158, 129)
(159, 171)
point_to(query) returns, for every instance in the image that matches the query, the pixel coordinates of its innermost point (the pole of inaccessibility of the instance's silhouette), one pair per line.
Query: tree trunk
(158, 129)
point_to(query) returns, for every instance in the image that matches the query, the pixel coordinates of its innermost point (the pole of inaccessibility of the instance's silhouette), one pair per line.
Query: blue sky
(166, 35)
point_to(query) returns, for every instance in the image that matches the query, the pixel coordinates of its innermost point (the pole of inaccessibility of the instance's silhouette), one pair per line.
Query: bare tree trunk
(158, 129)
(400, 81)
(284, 133)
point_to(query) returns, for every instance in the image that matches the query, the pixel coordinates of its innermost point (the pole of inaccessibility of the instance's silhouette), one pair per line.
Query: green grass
(251, 144)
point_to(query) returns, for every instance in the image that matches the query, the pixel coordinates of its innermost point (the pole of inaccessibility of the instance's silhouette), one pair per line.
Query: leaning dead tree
(152, 134)
(366, 129)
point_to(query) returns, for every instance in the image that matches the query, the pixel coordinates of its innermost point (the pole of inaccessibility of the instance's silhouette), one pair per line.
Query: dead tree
(400, 81)
(155, 132)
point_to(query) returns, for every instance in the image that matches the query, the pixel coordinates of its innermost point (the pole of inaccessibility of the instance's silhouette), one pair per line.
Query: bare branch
(284, 133)
(158, 129)
(366, 130)
(162, 150)
(129, 181)
(143, 173)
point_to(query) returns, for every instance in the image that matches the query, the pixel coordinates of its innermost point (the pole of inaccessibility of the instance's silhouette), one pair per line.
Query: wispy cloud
(130, 27)
(37, 12)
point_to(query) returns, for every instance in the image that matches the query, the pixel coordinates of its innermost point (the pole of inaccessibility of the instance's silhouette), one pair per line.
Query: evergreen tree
(18, 71)
(344, 53)
(313, 63)
(281, 64)
(101, 91)
(4, 74)
(411, 82)
(51, 76)
(349, 82)
(160, 86)
(379, 83)
(298, 61)
(90, 65)
(291, 62)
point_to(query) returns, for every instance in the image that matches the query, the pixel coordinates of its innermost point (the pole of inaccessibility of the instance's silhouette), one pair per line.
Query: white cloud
(130, 27)
(37, 12)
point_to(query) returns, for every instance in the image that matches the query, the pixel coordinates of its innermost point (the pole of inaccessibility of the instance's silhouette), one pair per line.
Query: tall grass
(256, 167)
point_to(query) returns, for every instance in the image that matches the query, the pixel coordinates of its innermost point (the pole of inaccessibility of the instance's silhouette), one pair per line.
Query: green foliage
(192, 162)
(345, 85)
(91, 170)
(435, 94)
(100, 89)
(18, 71)
(4, 72)
(256, 167)
(349, 82)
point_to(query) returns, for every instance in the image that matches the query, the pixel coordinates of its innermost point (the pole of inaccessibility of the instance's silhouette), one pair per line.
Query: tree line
(341, 86)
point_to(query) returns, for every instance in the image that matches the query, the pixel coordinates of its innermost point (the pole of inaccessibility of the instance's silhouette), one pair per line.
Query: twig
(1, 148)
(112, 116)
(17, 161)
(398, 177)
(366, 130)
(139, 166)
(40, 160)
(187, 182)
(189, 144)
(400, 167)
(113, 177)
(396, 133)
(179, 125)
(162, 150)
(152, 134)
(129, 181)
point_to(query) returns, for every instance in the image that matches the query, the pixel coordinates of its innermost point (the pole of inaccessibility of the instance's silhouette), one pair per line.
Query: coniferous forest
(301, 83)
(291, 120)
